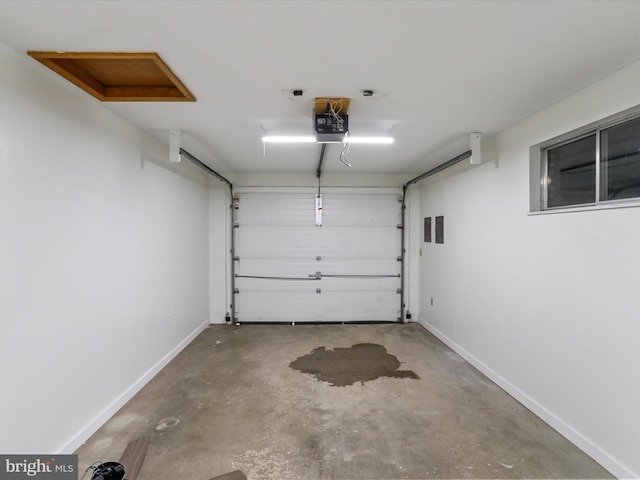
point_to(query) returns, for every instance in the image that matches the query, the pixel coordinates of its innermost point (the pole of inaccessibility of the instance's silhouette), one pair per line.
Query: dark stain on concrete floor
(362, 362)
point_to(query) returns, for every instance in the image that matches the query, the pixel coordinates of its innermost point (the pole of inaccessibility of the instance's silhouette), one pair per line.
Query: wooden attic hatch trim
(118, 76)
(323, 105)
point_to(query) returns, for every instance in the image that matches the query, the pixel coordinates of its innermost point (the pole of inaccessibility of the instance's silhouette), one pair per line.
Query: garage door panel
(295, 242)
(366, 242)
(325, 284)
(278, 267)
(276, 209)
(358, 210)
(302, 267)
(312, 307)
(279, 249)
(276, 286)
(366, 266)
(360, 305)
(266, 306)
(339, 209)
(283, 242)
(359, 284)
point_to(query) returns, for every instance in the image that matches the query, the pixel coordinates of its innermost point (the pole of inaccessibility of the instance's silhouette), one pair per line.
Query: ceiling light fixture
(379, 140)
(289, 139)
(312, 139)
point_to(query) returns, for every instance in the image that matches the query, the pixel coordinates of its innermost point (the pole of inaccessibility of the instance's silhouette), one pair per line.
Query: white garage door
(289, 270)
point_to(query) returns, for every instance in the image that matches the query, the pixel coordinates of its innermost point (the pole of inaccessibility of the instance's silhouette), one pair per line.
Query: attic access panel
(118, 76)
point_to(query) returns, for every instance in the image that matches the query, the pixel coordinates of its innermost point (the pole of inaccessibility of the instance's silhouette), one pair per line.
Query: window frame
(538, 166)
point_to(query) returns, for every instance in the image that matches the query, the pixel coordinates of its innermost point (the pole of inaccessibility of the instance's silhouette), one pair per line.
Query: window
(571, 173)
(591, 166)
(620, 161)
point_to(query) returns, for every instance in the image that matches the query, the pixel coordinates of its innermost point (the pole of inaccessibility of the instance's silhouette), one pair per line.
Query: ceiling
(439, 69)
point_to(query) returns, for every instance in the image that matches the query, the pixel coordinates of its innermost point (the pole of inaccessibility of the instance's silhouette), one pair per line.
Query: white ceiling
(441, 69)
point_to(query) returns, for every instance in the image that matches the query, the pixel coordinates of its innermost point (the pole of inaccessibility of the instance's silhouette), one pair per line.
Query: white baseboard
(583, 443)
(106, 414)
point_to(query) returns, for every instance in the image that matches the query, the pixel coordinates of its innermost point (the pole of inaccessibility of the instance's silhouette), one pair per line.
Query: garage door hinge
(237, 290)
(399, 259)
(399, 290)
(236, 225)
(236, 258)
(318, 290)
(399, 227)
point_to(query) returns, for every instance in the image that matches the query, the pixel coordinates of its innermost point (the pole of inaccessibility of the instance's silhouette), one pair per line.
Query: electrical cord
(345, 150)
(332, 109)
(335, 106)
(93, 467)
(105, 471)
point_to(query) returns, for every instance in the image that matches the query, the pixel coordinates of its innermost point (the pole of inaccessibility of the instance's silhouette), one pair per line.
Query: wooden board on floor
(237, 475)
(133, 456)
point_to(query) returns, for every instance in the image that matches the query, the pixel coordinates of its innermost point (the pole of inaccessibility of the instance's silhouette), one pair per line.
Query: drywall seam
(84, 434)
(583, 443)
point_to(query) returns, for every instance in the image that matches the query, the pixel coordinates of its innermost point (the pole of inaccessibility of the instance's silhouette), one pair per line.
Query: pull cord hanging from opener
(345, 149)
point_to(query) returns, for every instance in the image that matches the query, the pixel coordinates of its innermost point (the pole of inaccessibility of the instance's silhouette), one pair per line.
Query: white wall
(547, 305)
(99, 239)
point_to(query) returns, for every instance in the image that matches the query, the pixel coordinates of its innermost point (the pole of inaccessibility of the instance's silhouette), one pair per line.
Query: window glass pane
(620, 161)
(571, 173)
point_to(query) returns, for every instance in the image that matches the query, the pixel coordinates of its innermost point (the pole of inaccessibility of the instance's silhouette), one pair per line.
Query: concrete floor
(232, 400)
